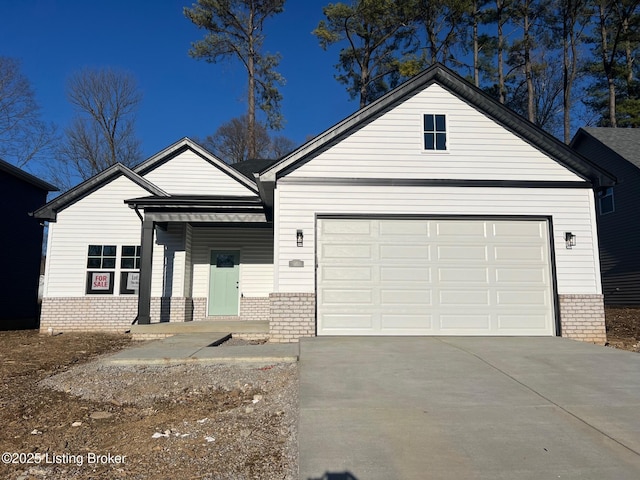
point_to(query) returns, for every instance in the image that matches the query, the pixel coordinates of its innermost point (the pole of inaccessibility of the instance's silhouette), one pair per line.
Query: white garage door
(434, 277)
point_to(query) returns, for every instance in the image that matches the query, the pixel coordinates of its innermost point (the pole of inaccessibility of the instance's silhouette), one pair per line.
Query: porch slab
(200, 348)
(204, 326)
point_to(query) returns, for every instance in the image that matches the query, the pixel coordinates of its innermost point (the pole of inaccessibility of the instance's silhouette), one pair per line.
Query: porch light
(299, 238)
(570, 239)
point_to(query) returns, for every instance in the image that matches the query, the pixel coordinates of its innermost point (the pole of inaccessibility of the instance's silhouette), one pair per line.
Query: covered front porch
(204, 258)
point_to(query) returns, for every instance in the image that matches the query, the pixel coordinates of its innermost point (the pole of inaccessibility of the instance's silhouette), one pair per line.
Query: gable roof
(464, 90)
(26, 177)
(51, 209)
(187, 144)
(623, 141)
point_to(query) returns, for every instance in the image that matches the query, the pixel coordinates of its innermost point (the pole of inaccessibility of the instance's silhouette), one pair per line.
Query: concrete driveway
(467, 408)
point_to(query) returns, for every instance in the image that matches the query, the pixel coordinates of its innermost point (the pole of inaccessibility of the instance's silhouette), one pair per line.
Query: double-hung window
(130, 269)
(101, 264)
(435, 132)
(605, 201)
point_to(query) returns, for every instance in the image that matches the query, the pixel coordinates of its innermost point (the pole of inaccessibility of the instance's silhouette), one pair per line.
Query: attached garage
(434, 276)
(435, 210)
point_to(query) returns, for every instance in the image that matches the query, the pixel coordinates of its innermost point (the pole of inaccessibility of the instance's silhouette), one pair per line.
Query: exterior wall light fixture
(570, 239)
(299, 238)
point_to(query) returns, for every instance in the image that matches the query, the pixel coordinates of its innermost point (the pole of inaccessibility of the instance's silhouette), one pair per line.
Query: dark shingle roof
(624, 141)
(249, 167)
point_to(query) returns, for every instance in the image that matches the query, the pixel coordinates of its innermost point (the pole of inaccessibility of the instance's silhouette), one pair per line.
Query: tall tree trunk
(608, 65)
(251, 96)
(629, 58)
(499, 11)
(476, 48)
(566, 85)
(531, 111)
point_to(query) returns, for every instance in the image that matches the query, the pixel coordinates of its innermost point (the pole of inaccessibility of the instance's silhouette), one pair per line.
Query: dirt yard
(62, 417)
(623, 328)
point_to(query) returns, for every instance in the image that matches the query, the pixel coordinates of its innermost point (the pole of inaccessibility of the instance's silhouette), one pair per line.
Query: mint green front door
(224, 278)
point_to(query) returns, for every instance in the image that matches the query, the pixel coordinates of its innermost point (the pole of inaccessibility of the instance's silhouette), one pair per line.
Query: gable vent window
(605, 201)
(435, 132)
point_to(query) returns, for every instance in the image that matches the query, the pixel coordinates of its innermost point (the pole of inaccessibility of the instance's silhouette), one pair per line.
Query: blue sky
(182, 96)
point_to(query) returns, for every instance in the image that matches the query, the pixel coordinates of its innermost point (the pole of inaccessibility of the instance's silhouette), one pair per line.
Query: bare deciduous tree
(231, 142)
(102, 133)
(23, 136)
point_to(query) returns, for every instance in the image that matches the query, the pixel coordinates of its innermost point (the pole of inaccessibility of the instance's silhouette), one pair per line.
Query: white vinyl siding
(392, 146)
(190, 174)
(168, 267)
(569, 209)
(256, 257)
(101, 218)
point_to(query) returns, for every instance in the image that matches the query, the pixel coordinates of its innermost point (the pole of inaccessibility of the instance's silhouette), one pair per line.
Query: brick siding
(107, 313)
(251, 308)
(582, 318)
(293, 315)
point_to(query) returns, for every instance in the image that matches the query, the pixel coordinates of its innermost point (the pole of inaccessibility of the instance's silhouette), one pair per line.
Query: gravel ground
(238, 421)
(99, 421)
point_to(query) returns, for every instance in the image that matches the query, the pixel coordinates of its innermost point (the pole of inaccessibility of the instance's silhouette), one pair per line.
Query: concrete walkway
(467, 408)
(197, 347)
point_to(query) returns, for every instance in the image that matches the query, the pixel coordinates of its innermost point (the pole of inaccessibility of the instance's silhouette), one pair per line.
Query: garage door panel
(399, 296)
(346, 251)
(389, 252)
(520, 276)
(509, 230)
(394, 228)
(390, 321)
(354, 321)
(461, 230)
(346, 273)
(347, 297)
(349, 229)
(518, 321)
(468, 323)
(520, 254)
(462, 253)
(523, 298)
(434, 277)
(453, 298)
(401, 274)
(458, 274)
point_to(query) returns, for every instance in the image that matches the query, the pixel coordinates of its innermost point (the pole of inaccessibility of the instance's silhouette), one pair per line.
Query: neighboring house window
(130, 260)
(435, 132)
(605, 200)
(101, 257)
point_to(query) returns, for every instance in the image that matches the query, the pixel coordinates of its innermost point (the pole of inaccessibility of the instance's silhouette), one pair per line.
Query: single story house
(434, 210)
(618, 151)
(20, 246)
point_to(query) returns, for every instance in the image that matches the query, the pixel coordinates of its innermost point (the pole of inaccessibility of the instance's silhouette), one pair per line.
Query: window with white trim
(605, 201)
(435, 132)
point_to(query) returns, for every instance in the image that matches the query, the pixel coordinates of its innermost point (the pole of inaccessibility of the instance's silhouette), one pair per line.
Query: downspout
(135, 207)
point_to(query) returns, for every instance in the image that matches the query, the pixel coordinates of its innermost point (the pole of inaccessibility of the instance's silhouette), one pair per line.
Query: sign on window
(100, 282)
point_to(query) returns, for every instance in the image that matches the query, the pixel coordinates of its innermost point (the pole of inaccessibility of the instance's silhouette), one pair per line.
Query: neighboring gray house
(433, 211)
(20, 246)
(618, 151)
